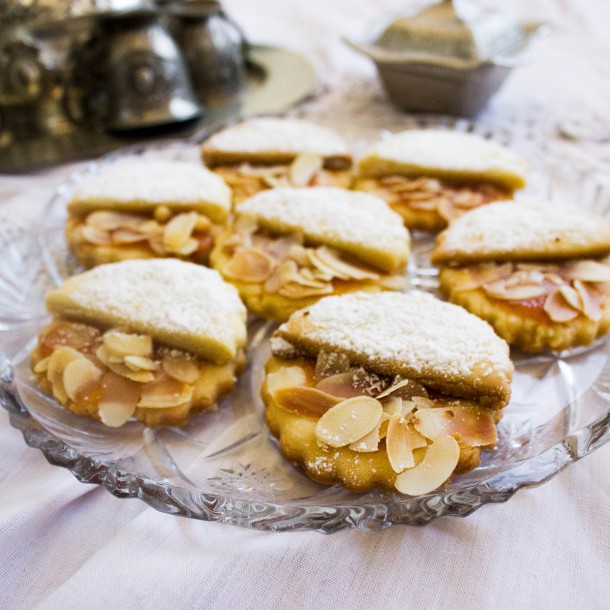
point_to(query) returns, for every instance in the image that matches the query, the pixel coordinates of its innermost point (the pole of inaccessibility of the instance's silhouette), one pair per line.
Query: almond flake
(58, 361)
(401, 441)
(178, 231)
(558, 309)
(249, 265)
(475, 427)
(340, 385)
(96, 236)
(588, 271)
(572, 297)
(591, 301)
(124, 344)
(127, 236)
(437, 466)
(111, 221)
(181, 368)
(331, 259)
(305, 400)
(42, 365)
(304, 167)
(118, 400)
(165, 392)
(499, 290)
(406, 389)
(121, 369)
(369, 442)
(79, 376)
(348, 421)
(139, 363)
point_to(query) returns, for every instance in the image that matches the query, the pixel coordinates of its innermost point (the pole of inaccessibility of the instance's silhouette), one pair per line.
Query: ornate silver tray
(224, 466)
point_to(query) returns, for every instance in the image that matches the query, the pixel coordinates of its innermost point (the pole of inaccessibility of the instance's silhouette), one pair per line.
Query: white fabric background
(68, 545)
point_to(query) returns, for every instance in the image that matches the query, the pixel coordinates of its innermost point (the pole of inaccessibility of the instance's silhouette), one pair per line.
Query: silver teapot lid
(452, 32)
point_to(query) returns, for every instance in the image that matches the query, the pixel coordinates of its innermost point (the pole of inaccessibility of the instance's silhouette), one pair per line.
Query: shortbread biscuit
(538, 273)
(159, 340)
(265, 153)
(432, 177)
(147, 208)
(390, 390)
(288, 247)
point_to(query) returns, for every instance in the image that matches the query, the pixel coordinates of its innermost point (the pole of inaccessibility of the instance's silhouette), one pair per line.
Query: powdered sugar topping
(452, 151)
(156, 181)
(334, 216)
(173, 297)
(279, 136)
(430, 335)
(505, 227)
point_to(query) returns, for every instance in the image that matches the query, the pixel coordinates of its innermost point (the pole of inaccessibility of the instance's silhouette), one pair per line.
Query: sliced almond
(572, 297)
(321, 265)
(558, 309)
(393, 405)
(127, 236)
(118, 400)
(500, 290)
(305, 400)
(249, 265)
(112, 221)
(474, 427)
(42, 365)
(423, 403)
(437, 466)
(406, 389)
(401, 440)
(286, 377)
(369, 442)
(128, 344)
(332, 260)
(188, 248)
(80, 376)
(304, 167)
(181, 368)
(298, 292)
(121, 369)
(58, 360)
(349, 421)
(165, 392)
(96, 236)
(588, 271)
(340, 385)
(591, 301)
(178, 231)
(140, 363)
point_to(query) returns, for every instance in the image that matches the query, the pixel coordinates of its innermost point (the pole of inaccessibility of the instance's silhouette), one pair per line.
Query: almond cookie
(288, 247)
(388, 390)
(537, 272)
(432, 176)
(158, 340)
(266, 153)
(144, 208)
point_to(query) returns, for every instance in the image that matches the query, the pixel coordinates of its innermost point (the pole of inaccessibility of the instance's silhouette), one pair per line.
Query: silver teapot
(214, 46)
(130, 74)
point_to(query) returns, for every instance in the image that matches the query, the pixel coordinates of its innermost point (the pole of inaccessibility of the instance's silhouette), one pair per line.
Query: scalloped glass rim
(375, 510)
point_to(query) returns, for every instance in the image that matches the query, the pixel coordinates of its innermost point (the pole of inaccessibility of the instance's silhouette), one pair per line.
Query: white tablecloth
(68, 545)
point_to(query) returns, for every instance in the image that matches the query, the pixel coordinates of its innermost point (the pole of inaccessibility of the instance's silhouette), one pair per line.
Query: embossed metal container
(132, 75)
(450, 58)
